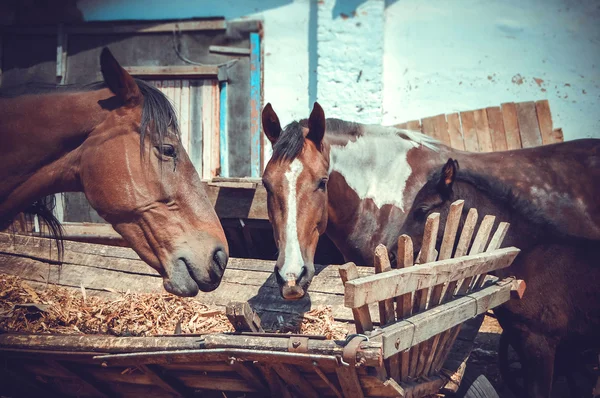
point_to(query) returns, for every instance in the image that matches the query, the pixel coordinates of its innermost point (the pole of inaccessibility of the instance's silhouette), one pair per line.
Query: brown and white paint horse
(356, 183)
(118, 142)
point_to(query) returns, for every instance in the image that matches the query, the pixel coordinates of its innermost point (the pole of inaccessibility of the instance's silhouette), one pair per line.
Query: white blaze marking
(375, 167)
(293, 256)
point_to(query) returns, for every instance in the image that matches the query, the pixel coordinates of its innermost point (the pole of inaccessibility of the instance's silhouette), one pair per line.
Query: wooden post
(243, 318)
(255, 105)
(386, 307)
(362, 316)
(404, 302)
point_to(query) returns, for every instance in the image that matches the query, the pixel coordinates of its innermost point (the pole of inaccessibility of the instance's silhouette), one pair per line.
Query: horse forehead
(376, 168)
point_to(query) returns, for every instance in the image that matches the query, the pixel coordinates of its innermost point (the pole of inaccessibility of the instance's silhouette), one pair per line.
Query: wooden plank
(89, 382)
(455, 132)
(207, 133)
(242, 317)
(544, 118)
(414, 125)
(478, 246)
(421, 327)
(329, 383)
(168, 27)
(255, 105)
(248, 373)
(216, 140)
(177, 99)
(292, 377)
(441, 129)
(464, 242)
(374, 288)
(511, 126)
(426, 255)
(528, 124)
(484, 137)
(165, 382)
(428, 127)
(229, 50)
(349, 382)
(175, 71)
(496, 123)
(196, 127)
(404, 259)
(223, 132)
(362, 316)
(469, 131)
(558, 135)
(382, 264)
(275, 386)
(184, 114)
(494, 244)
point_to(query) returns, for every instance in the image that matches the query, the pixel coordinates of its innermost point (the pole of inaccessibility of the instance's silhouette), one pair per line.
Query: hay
(58, 310)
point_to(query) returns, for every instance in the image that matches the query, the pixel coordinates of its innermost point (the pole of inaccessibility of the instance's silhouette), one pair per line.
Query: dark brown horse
(356, 182)
(118, 142)
(561, 306)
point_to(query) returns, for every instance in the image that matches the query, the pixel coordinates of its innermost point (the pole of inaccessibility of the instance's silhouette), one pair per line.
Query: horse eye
(167, 150)
(322, 184)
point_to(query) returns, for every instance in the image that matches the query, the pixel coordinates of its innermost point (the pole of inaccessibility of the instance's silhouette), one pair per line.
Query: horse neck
(41, 136)
(372, 184)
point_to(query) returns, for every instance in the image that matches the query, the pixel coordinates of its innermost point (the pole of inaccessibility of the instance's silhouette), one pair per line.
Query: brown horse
(356, 182)
(118, 142)
(561, 307)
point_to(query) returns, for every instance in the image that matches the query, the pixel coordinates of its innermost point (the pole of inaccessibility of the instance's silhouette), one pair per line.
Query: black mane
(290, 144)
(496, 190)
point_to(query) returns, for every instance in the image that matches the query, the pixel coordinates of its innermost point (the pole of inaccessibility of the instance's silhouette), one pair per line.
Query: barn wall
(409, 59)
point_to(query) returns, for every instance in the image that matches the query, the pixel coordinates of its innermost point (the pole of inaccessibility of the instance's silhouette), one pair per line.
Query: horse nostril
(220, 258)
(303, 272)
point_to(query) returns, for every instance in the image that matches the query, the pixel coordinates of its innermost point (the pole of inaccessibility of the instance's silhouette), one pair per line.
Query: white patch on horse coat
(376, 166)
(293, 261)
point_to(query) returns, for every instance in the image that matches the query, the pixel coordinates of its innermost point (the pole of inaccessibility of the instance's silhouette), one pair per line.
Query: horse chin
(182, 288)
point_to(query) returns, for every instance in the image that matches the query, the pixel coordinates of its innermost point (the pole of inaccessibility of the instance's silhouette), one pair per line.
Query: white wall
(418, 58)
(445, 56)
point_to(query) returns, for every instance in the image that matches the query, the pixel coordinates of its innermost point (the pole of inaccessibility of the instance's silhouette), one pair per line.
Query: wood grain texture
(362, 316)
(455, 132)
(544, 118)
(484, 137)
(511, 126)
(528, 124)
(440, 126)
(469, 131)
(497, 132)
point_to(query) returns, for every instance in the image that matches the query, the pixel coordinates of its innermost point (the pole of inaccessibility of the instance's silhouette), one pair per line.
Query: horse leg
(538, 362)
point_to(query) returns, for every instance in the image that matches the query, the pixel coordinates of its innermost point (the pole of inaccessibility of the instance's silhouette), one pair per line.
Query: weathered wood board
(101, 268)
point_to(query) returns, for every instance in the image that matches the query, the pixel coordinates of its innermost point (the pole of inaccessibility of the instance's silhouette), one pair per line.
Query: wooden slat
(421, 327)
(496, 123)
(179, 71)
(455, 132)
(90, 382)
(382, 264)
(150, 27)
(248, 373)
(229, 50)
(166, 383)
(404, 259)
(483, 131)
(544, 118)
(276, 387)
(528, 124)
(216, 139)
(177, 99)
(441, 129)
(207, 130)
(292, 377)
(469, 131)
(196, 133)
(362, 316)
(184, 114)
(349, 382)
(478, 246)
(413, 125)
(428, 126)
(494, 244)
(374, 288)
(329, 383)
(511, 126)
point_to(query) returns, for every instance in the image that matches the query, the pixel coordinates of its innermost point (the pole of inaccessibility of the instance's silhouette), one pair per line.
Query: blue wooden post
(255, 100)
(223, 139)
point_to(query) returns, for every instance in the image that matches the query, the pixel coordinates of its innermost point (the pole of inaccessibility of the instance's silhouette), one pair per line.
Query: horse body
(118, 142)
(561, 307)
(373, 174)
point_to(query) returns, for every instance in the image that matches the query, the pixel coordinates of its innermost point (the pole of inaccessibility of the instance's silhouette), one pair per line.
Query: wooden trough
(402, 347)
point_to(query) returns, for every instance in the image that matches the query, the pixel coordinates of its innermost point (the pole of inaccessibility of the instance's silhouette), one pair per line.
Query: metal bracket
(298, 344)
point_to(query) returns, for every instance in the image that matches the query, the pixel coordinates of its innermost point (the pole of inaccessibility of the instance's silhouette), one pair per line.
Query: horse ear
(447, 177)
(270, 123)
(118, 80)
(316, 125)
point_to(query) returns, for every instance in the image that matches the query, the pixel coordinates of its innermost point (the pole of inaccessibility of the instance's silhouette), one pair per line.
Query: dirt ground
(484, 359)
